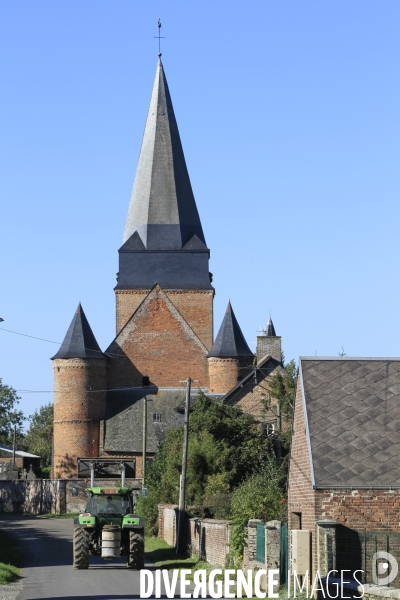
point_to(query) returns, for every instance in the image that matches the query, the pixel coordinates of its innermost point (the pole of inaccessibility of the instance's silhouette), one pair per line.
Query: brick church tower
(164, 320)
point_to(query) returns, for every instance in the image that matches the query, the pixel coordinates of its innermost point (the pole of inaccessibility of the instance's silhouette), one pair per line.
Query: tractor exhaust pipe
(122, 467)
(92, 465)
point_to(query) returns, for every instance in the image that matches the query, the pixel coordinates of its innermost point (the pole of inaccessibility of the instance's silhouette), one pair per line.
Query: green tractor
(109, 528)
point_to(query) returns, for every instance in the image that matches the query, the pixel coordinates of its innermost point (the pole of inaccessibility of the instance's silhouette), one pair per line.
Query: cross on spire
(159, 36)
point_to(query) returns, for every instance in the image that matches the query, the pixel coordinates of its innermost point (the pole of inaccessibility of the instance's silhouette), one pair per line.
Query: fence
(356, 550)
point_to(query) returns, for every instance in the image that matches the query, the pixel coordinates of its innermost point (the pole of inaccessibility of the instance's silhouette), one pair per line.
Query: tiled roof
(353, 413)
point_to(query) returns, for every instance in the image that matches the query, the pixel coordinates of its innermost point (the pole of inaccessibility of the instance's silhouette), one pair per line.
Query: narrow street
(46, 549)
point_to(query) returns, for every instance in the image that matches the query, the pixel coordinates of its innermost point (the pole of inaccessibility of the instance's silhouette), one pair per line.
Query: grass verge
(163, 555)
(9, 560)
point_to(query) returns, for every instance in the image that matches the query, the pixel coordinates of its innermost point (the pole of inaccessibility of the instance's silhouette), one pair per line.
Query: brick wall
(127, 301)
(301, 496)
(209, 539)
(195, 306)
(167, 522)
(159, 344)
(252, 397)
(77, 411)
(269, 346)
(370, 510)
(224, 373)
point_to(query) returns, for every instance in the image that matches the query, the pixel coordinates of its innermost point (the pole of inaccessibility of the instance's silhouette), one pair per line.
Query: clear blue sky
(289, 117)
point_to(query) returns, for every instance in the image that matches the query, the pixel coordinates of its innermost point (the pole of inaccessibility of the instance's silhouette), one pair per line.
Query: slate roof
(79, 341)
(353, 414)
(162, 208)
(270, 331)
(124, 417)
(230, 340)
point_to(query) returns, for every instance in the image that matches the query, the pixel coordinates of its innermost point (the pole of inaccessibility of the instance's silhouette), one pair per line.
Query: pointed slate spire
(270, 330)
(230, 340)
(162, 208)
(79, 341)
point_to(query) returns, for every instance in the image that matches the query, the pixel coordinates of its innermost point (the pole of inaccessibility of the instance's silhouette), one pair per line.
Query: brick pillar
(326, 545)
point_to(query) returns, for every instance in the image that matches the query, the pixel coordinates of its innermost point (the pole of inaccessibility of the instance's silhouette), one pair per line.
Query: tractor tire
(81, 548)
(136, 550)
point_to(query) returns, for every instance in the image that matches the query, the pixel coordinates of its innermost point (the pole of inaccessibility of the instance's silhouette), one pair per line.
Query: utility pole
(144, 438)
(182, 487)
(278, 427)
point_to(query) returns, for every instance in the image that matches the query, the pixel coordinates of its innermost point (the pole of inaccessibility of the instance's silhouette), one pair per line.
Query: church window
(157, 417)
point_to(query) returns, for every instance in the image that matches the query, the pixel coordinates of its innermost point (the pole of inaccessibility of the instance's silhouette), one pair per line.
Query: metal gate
(283, 555)
(260, 543)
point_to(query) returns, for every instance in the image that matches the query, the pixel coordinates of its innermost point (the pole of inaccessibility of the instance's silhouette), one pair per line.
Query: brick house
(164, 319)
(344, 474)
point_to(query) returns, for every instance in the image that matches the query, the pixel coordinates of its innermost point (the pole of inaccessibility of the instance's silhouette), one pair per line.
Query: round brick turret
(225, 373)
(80, 383)
(230, 358)
(78, 410)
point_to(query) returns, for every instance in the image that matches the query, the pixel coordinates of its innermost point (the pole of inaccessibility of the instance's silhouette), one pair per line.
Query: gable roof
(352, 412)
(230, 340)
(252, 378)
(79, 341)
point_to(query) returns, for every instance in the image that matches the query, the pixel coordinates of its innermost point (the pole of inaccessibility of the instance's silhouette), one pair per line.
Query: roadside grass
(9, 560)
(54, 516)
(163, 555)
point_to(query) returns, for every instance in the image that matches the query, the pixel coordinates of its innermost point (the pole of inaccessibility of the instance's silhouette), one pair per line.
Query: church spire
(162, 209)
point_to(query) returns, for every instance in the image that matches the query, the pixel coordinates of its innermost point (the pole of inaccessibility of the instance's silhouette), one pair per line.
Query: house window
(269, 429)
(145, 381)
(157, 417)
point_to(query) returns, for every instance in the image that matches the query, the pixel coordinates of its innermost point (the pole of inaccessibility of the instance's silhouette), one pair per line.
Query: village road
(46, 548)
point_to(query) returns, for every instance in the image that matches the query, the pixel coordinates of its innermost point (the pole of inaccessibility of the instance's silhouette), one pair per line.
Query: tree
(225, 447)
(282, 387)
(38, 439)
(10, 416)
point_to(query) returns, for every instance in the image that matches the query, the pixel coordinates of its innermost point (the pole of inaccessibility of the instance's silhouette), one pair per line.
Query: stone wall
(42, 496)
(39, 496)
(272, 548)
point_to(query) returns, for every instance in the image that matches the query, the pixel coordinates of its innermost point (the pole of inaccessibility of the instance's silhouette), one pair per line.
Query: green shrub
(261, 496)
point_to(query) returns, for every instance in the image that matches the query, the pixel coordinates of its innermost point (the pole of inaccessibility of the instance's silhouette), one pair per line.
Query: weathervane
(160, 37)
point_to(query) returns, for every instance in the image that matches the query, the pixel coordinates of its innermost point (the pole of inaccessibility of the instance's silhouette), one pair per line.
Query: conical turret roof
(230, 340)
(162, 209)
(79, 341)
(270, 330)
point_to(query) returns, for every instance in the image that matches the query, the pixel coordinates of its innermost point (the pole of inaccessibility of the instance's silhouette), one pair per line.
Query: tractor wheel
(81, 548)
(136, 550)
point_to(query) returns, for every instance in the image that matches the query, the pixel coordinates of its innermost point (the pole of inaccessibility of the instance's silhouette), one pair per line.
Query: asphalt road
(46, 548)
